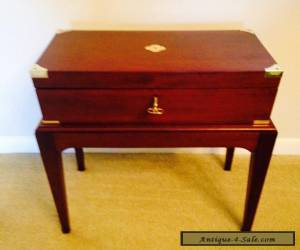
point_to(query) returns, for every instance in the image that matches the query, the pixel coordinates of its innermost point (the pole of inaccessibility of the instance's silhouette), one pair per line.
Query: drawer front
(173, 106)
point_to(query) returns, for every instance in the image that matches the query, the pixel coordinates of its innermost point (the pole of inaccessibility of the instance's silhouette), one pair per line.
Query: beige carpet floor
(140, 201)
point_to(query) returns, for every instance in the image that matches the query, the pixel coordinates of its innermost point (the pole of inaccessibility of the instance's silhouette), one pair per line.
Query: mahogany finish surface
(229, 158)
(181, 106)
(192, 59)
(210, 88)
(187, 51)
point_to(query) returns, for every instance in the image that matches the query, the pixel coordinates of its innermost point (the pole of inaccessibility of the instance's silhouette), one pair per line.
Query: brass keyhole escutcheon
(155, 110)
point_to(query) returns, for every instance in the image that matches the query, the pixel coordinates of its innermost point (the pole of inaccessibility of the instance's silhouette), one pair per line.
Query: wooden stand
(52, 139)
(156, 89)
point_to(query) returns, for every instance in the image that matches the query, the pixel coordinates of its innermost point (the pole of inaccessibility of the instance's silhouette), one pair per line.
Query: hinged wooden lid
(155, 59)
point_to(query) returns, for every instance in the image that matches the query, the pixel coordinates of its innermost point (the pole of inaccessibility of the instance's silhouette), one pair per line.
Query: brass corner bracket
(273, 71)
(261, 123)
(50, 122)
(38, 71)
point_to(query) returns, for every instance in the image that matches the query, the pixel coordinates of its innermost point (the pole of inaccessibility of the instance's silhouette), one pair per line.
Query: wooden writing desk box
(156, 89)
(208, 77)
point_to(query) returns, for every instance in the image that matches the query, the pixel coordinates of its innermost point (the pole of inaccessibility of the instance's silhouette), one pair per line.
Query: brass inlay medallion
(155, 48)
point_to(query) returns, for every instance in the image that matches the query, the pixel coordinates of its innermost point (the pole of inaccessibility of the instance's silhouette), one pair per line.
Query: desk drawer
(178, 106)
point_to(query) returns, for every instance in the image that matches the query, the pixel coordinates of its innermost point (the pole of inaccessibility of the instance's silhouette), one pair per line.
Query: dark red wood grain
(259, 164)
(52, 161)
(228, 158)
(195, 59)
(260, 141)
(80, 159)
(181, 106)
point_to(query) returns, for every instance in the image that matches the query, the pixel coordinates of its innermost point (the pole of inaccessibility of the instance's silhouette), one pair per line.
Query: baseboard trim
(27, 144)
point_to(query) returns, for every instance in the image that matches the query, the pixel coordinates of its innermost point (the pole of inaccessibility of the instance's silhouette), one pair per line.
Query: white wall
(28, 25)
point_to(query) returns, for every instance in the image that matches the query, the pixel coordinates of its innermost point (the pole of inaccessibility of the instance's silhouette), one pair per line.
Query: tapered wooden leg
(228, 159)
(80, 159)
(259, 164)
(52, 160)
